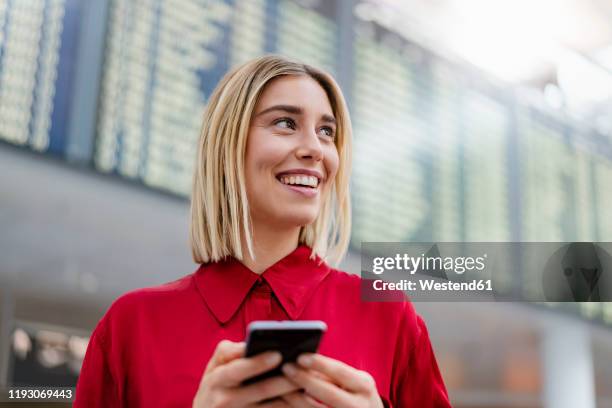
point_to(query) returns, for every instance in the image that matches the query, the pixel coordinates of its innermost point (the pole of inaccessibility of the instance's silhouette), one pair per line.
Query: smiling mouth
(299, 180)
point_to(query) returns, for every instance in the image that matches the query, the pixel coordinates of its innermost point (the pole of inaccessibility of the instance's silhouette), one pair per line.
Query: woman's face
(291, 158)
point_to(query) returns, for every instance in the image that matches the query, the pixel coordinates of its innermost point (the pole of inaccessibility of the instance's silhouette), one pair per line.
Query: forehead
(297, 90)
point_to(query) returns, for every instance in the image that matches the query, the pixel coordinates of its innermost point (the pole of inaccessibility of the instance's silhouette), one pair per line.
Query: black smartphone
(290, 338)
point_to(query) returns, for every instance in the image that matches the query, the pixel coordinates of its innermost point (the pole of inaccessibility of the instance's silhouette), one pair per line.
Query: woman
(270, 202)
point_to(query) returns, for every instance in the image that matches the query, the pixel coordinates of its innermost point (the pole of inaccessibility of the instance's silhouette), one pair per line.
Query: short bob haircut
(220, 217)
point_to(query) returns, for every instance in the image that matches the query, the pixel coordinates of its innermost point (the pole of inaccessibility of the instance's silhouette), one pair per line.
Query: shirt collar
(224, 285)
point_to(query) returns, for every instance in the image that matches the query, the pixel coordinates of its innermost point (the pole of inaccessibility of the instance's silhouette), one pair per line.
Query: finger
(300, 399)
(340, 373)
(305, 396)
(296, 400)
(225, 351)
(234, 351)
(314, 402)
(318, 388)
(238, 370)
(264, 390)
(323, 376)
(320, 375)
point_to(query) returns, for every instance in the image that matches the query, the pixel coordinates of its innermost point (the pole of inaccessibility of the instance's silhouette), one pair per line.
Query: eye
(286, 123)
(327, 131)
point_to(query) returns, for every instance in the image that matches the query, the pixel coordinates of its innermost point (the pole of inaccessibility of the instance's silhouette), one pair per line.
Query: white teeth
(304, 180)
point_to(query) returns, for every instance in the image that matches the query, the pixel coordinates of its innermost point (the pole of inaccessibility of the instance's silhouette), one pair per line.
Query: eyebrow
(296, 110)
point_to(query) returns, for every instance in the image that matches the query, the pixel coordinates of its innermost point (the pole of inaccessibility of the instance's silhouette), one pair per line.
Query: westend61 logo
(487, 271)
(578, 272)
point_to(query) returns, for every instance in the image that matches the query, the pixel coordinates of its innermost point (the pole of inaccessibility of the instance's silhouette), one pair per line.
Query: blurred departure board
(162, 61)
(602, 174)
(431, 151)
(558, 202)
(548, 179)
(305, 30)
(36, 64)
(585, 198)
(308, 34)
(392, 145)
(448, 86)
(485, 168)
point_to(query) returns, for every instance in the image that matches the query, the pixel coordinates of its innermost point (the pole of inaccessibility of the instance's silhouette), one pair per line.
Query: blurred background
(474, 120)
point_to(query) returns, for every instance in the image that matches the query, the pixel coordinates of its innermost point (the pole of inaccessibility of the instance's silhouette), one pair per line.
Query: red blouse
(151, 347)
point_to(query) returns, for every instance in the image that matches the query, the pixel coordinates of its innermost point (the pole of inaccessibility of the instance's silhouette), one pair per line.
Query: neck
(270, 245)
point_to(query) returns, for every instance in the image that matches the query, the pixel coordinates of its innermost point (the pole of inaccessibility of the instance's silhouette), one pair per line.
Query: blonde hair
(219, 207)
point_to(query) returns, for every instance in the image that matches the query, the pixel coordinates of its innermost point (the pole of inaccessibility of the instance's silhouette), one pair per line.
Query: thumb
(225, 352)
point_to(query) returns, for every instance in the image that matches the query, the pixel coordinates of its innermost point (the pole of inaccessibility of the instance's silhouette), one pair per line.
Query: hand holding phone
(290, 338)
(228, 368)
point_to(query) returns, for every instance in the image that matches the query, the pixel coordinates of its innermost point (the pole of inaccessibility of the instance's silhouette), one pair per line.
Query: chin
(304, 220)
(301, 218)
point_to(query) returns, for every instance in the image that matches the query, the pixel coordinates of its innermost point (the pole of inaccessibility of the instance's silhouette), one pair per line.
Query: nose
(310, 147)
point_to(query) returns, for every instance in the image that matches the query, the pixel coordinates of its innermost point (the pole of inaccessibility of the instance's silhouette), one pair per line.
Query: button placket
(261, 300)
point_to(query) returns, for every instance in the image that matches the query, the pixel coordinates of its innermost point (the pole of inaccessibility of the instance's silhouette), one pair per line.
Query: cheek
(263, 153)
(252, 164)
(332, 162)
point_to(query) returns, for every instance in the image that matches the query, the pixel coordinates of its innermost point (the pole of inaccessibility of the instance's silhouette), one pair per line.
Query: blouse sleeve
(417, 381)
(96, 386)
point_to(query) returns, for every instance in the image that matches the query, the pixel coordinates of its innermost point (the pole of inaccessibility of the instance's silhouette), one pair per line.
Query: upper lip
(309, 172)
